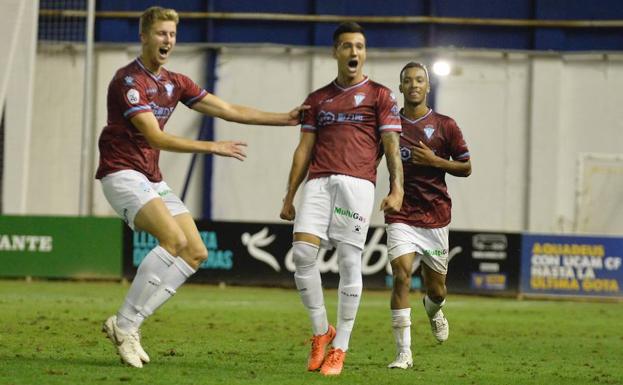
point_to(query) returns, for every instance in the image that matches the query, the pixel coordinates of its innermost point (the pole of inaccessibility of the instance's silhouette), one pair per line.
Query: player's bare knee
(437, 293)
(174, 243)
(402, 278)
(196, 254)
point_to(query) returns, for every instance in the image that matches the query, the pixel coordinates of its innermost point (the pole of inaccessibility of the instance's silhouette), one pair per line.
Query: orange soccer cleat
(333, 364)
(319, 345)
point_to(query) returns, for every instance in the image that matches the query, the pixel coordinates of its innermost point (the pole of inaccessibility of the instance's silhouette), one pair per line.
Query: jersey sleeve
(387, 113)
(129, 94)
(191, 92)
(309, 123)
(458, 146)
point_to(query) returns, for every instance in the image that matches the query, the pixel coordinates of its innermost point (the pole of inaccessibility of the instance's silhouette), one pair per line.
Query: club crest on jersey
(169, 88)
(395, 110)
(128, 80)
(133, 96)
(429, 130)
(359, 98)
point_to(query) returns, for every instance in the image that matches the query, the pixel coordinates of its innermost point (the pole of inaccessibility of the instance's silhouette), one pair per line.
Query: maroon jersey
(348, 123)
(134, 90)
(426, 201)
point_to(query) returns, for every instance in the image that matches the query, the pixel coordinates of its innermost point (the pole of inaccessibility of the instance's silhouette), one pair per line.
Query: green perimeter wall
(60, 247)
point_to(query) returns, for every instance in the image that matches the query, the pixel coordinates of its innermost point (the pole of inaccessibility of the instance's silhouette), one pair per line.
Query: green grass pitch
(50, 334)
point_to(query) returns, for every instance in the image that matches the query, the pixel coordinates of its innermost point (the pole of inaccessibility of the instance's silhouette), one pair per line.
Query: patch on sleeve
(133, 96)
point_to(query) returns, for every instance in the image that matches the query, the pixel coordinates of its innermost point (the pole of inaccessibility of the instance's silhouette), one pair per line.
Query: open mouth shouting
(352, 64)
(163, 52)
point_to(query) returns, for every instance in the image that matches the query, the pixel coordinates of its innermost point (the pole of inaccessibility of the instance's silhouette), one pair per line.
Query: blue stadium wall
(383, 35)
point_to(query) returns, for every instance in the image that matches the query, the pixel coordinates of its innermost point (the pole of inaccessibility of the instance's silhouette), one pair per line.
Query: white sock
(349, 292)
(148, 278)
(432, 307)
(401, 326)
(175, 276)
(309, 285)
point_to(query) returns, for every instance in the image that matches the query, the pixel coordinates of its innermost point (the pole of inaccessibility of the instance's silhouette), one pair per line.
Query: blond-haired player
(141, 98)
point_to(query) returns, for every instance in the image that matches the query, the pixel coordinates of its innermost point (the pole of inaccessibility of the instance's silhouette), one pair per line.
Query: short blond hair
(154, 14)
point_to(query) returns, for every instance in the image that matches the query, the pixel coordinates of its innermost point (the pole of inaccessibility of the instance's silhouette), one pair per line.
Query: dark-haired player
(338, 151)
(431, 145)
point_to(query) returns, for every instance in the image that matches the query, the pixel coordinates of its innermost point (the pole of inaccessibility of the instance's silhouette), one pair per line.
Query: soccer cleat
(333, 364)
(402, 361)
(139, 349)
(439, 326)
(124, 342)
(319, 345)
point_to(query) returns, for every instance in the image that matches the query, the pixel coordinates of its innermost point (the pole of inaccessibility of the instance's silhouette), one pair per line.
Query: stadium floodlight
(442, 68)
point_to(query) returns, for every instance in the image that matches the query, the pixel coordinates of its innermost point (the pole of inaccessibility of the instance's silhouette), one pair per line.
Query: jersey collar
(364, 81)
(430, 111)
(153, 76)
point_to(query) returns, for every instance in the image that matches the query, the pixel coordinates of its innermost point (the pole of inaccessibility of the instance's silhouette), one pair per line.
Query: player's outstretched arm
(298, 172)
(147, 124)
(214, 106)
(391, 146)
(422, 155)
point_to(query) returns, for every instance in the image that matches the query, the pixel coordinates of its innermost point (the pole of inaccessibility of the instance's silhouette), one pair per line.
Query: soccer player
(431, 145)
(338, 151)
(141, 98)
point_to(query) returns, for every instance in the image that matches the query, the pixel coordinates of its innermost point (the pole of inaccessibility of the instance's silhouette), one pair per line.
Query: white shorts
(128, 191)
(336, 209)
(429, 244)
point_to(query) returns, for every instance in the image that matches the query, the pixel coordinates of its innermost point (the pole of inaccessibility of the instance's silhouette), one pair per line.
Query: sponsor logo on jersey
(169, 88)
(429, 130)
(161, 112)
(165, 192)
(325, 118)
(125, 216)
(405, 153)
(128, 80)
(436, 252)
(359, 98)
(145, 187)
(350, 214)
(151, 91)
(133, 96)
(349, 117)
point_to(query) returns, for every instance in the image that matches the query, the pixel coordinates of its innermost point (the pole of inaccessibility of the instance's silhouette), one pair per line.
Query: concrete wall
(19, 29)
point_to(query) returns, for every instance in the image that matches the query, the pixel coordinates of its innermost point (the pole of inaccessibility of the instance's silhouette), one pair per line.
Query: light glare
(441, 68)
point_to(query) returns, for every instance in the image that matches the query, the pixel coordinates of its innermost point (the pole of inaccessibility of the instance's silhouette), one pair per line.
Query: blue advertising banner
(259, 254)
(571, 265)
